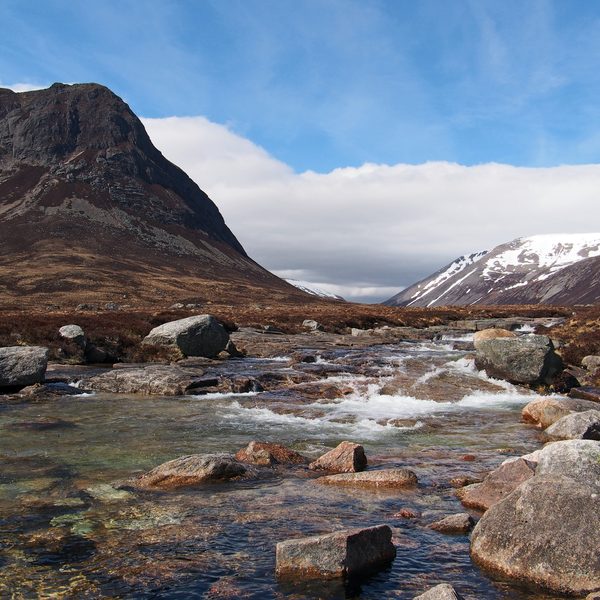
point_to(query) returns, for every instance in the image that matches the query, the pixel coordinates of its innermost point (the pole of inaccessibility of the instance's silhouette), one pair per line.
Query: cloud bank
(367, 232)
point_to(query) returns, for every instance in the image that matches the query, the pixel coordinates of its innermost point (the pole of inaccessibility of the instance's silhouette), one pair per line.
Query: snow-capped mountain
(541, 269)
(311, 288)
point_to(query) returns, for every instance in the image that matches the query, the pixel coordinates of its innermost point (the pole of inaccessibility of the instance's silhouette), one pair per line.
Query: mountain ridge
(541, 269)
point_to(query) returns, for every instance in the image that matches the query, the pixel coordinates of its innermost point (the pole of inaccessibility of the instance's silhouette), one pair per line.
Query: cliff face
(89, 206)
(559, 269)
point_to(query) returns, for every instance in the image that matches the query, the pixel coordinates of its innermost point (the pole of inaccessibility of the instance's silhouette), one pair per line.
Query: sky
(359, 145)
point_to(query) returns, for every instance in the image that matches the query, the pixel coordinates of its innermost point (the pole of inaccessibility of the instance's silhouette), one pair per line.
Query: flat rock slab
(386, 478)
(546, 533)
(339, 554)
(159, 380)
(497, 485)
(22, 365)
(347, 457)
(586, 393)
(443, 591)
(460, 523)
(581, 425)
(191, 470)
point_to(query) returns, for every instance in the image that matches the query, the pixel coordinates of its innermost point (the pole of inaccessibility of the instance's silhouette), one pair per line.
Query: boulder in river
(347, 457)
(543, 412)
(22, 365)
(581, 425)
(264, 453)
(575, 459)
(385, 478)
(339, 554)
(443, 591)
(546, 533)
(497, 485)
(191, 470)
(491, 334)
(529, 359)
(200, 335)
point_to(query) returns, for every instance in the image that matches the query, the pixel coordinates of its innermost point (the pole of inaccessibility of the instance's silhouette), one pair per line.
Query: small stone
(312, 325)
(463, 480)
(591, 362)
(339, 554)
(385, 478)
(443, 591)
(264, 453)
(459, 523)
(407, 513)
(73, 333)
(347, 457)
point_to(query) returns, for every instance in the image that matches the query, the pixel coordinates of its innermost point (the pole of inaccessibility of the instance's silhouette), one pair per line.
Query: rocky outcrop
(443, 591)
(22, 365)
(583, 425)
(191, 470)
(460, 523)
(151, 380)
(264, 453)
(545, 533)
(543, 412)
(347, 457)
(200, 335)
(339, 554)
(385, 478)
(528, 359)
(497, 485)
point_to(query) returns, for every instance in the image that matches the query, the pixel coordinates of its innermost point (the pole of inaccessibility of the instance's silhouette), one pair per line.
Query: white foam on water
(525, 328)
(466, 337)
(221, 395)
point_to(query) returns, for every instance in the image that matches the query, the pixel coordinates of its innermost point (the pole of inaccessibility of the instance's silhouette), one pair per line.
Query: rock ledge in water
(347, 457)
(386, 478)
(339, 554)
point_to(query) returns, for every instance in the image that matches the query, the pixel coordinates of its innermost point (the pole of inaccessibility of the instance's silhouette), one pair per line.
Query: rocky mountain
(90, 210)
(542, 269)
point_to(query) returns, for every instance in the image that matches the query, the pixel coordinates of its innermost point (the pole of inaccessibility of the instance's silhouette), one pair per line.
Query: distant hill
(90, 210)
(542, 269)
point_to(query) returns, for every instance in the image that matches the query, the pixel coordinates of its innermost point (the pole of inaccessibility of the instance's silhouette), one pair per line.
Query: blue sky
(355, 144)
(324, 84)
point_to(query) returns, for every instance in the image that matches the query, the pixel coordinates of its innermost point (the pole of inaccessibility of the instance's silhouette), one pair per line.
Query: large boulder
(346, 457)
(385, 478)
(575, 459)
(491, 334)
(497, 485)
(191, 470)
(543, 412)
(529, 359)
(161, 380)
(200, 335)
(546, 533)
(22, 365)
(582, 425)
(339, 554)
(73, 333)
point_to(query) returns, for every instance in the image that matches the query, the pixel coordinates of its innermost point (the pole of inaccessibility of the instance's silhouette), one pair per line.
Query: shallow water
(62, 534)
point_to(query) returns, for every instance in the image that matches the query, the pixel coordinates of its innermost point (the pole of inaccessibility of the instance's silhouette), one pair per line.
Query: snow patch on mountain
(313, 289)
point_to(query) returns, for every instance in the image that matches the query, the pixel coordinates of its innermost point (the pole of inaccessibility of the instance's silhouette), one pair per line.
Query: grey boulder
(576, 459)
(583, 425)
(546, 533)
(529, 359)
(73, 333)
(22, 365)
(339, 554)
(200, 335)
(443, 591)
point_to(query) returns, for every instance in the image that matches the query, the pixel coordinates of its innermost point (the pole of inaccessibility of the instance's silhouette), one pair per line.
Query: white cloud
(371, 230)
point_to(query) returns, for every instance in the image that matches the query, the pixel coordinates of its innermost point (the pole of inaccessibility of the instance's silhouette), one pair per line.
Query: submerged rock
(545, 411)
(459, 523)
(443, 591)
(191, 470)
(583, 425)
(347, 457)
(201, 335)
(547, 533)
(530, 359)
(22, 365)
(339, 554)
(264, 453)
(386, 478)
(497, 485)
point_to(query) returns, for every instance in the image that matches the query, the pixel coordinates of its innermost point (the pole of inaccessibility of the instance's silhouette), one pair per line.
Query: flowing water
(65, 533)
